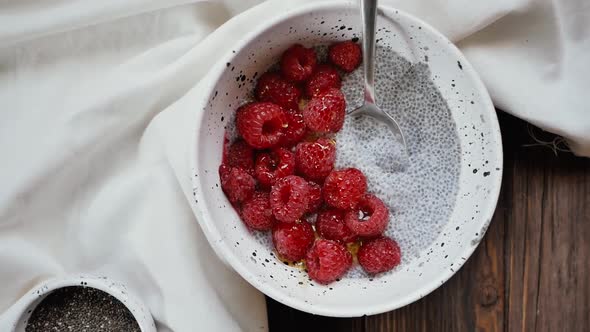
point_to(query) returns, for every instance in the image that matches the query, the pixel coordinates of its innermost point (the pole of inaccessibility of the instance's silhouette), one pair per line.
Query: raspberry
(370, 218)
(345, 55)
(325, 112)
(261, 124)
(315, 160)
(298, 63)
(271, 166)
(379, 255)
(289, 197)
(240, 155)
(237, 184)
(330, 225)
(325, 77)
(295, 130)
(256, 212)
(344, 188)
(327, 261)
(292, 240)
(315, 197)
(271, 87)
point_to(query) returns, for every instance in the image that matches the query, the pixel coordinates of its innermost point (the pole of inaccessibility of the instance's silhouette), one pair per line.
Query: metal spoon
(370, 108)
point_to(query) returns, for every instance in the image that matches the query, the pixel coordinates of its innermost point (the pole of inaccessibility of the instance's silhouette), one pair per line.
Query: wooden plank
(547, 269)
(525, 194)
(284, 319)
(563, 287)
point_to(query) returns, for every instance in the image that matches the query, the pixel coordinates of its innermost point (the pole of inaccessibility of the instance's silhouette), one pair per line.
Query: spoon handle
(369, 18)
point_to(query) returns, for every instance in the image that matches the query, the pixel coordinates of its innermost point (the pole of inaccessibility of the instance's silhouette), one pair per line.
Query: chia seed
(81, 309)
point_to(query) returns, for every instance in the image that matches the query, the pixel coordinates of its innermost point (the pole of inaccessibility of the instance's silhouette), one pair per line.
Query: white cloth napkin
(95, 122)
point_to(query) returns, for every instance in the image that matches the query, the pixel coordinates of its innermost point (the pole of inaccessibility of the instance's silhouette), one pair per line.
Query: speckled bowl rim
(223, 250)
(107, 285)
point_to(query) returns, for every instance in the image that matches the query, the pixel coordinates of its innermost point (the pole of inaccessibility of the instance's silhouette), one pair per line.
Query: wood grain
(530, 273)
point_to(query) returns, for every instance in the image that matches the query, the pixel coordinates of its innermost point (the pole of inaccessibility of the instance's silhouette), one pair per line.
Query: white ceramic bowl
(230, 82)
(15, 318)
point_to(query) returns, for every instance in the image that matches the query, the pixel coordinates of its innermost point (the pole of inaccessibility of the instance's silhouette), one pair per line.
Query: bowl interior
(116, 289)
(477, 178)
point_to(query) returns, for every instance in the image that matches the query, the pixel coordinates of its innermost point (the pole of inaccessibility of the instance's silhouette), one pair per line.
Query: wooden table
(530, 273)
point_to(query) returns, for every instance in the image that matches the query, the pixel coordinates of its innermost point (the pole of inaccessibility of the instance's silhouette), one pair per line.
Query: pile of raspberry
(280, 173)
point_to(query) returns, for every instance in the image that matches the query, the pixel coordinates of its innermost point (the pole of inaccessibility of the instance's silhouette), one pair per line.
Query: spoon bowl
(378, 114)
